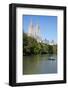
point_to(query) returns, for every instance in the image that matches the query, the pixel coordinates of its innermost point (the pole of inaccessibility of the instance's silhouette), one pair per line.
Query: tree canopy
(32, 47)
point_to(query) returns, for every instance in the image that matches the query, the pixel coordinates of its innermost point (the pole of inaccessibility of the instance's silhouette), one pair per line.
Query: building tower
(37, 32)
(34, 31)
(31, 29)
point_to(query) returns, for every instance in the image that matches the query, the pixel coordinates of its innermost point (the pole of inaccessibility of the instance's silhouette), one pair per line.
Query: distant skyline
(48, 25)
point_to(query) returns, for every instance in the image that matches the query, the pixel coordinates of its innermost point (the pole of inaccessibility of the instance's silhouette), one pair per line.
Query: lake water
(39, 64)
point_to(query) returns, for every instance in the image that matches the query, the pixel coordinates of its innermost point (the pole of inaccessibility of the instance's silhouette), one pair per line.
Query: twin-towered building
(34, 31)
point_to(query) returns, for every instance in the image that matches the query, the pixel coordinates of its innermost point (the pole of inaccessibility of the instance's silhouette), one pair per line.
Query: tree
(44, 48)
(32, 47)
(50, 49)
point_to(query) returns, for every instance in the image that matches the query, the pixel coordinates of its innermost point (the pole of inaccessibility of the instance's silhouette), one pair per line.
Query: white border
(20, 78)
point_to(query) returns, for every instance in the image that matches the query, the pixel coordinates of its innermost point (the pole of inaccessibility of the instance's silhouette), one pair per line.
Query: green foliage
(50, 49)
(32, 47)
(54, 48)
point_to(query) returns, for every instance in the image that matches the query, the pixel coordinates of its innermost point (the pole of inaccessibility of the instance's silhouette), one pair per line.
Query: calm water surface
(39, 64)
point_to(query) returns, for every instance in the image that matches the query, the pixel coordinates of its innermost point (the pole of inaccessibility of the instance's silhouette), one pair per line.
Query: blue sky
(48, 25)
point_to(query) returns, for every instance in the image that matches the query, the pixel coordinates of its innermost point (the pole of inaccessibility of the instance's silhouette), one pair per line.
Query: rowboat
(51, 58)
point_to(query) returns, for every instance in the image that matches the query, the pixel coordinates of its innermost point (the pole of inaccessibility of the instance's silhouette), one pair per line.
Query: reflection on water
(39, 64)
